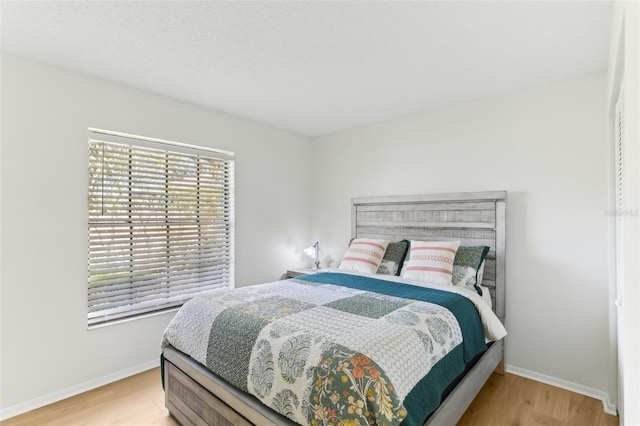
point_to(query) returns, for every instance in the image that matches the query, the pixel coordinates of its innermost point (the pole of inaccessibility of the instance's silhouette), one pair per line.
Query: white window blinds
(160, 225)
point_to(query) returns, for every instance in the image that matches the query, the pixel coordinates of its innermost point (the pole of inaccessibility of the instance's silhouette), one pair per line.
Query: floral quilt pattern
(350, 389)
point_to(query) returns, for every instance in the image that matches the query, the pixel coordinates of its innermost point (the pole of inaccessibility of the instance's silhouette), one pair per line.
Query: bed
(195, 395)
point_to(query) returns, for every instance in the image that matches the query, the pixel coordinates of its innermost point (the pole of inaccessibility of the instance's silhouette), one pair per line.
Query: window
(160, 224)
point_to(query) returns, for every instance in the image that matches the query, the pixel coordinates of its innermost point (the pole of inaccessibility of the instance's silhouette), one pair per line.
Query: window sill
(129, 319)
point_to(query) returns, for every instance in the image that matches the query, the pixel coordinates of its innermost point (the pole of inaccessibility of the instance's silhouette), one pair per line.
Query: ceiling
(315, 67)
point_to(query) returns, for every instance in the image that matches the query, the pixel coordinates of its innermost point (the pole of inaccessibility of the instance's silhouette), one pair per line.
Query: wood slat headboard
(473, 218)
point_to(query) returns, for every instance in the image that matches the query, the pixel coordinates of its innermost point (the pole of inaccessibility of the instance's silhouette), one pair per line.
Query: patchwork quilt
(333, 348)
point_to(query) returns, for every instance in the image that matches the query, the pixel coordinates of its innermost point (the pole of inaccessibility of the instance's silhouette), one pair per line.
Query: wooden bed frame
(196, 396)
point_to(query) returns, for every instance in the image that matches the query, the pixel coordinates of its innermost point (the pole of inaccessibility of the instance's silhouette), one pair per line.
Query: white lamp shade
(310, 251)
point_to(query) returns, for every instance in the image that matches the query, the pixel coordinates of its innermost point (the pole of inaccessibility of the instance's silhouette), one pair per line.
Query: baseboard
(50, 398)
(609, 407)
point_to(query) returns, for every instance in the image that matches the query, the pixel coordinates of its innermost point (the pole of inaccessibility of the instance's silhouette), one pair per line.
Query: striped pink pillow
(431, 261)
(364, 255)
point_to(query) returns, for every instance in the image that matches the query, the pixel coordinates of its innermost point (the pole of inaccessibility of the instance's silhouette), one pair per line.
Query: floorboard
(507, 400)
(512, 400)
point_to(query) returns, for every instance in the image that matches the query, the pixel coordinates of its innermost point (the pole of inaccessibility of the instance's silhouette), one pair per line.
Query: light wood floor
(505, 400)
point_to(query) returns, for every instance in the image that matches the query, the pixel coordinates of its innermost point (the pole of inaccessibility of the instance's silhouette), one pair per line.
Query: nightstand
(292, 273)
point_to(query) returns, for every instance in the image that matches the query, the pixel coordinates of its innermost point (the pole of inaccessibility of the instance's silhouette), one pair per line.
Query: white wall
(624, 69)
(547, 147)
(47, 351)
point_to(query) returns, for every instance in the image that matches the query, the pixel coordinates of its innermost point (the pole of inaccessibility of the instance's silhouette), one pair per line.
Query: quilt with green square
(332, 348)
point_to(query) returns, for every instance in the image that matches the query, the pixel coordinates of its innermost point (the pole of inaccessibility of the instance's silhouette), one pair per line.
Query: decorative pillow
(467, 265)
(364, 255)
(463, 275)
(387, 267)
(431, 261)
(394, 258)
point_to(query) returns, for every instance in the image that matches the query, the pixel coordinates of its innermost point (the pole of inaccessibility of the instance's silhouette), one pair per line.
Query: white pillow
(364, 255)
(431, 261)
